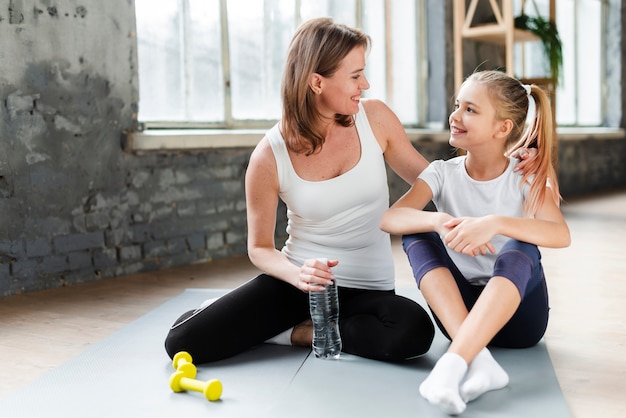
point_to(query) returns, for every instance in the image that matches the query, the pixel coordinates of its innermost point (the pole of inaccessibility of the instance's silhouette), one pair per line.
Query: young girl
(476, 259)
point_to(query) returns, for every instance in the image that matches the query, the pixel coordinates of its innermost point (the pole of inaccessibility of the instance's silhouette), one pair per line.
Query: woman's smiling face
(341, 92)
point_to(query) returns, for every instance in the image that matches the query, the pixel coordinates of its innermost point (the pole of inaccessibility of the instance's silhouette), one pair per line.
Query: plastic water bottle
(324, 306)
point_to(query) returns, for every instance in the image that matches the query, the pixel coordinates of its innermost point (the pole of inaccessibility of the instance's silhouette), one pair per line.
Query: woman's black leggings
(374, 324)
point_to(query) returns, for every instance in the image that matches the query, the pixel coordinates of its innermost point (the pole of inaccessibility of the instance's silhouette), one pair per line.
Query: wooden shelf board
(496, 34)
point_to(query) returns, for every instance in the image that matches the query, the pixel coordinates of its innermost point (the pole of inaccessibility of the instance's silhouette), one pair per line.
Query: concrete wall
(74, 207)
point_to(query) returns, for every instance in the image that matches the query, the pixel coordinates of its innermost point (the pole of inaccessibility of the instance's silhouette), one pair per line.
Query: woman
(326, 160)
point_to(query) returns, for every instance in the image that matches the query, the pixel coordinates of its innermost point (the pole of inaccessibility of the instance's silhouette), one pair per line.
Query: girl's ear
(505, 128)
(315, 83)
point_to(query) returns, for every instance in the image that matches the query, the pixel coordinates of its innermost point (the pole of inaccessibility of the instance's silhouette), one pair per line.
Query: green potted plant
(547, 31)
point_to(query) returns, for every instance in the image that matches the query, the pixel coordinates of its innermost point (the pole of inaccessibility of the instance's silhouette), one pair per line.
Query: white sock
(441, 387)
(484, 374)
(284, 338)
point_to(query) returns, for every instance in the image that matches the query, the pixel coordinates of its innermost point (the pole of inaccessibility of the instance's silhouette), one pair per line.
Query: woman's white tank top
(339, 218)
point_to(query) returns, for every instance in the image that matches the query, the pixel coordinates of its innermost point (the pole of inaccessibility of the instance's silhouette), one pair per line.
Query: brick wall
(175, 209)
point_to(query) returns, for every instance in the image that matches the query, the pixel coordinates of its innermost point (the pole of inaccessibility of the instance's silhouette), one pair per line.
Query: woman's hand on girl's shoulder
(526, 156)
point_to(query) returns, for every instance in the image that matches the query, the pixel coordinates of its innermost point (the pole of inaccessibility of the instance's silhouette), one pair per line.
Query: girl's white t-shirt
(456, 193)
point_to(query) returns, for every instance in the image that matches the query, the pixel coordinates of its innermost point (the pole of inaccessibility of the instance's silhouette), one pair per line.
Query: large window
(218, 63)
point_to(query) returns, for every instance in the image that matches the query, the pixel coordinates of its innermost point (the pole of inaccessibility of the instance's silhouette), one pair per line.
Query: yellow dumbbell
(183, 363)
(211, 389)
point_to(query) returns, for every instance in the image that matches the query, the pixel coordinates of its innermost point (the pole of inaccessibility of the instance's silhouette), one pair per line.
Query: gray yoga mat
(127, 375)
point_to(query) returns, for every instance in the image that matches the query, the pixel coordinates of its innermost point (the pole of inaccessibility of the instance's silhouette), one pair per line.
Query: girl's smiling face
(473, 121)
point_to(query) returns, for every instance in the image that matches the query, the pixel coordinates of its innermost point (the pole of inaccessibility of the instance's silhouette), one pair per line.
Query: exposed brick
(166, 178)
(174, 194)
(183, 177)
(11, 248)
(138, 217)
(233, 237)
(49, 226)
(83, 275)
(238, 248)
(217, 225)
(140, 178)
(215, 241)
(24, 268)
(129, 269)
(105, 259)
(76, 242)
(224, 172)
(130, 253)
(132, 198)
(79, 260)
(196, 241)
(118, 216)
(186, 209)
(140, 233)
(162, 212)
(79, 224)
(98, 220)
(232, 188)
(38, 248)
(169, 229)
(155, 249)
(5, 272)
(240, 205)
(177, 245)
(221, 253)
(53, 264)
(115, 237)
(206, 208)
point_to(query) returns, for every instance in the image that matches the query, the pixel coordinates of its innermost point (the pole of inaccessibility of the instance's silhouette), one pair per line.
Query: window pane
(259, 35)
(566, 90)
(579, 96)
(589, 42)
(404, 79)
(205, 78)
(159, 56)
(375, 69)
(341, 11)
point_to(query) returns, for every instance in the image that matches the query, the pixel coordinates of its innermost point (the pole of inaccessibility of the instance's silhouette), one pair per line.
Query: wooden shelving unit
(502, 32)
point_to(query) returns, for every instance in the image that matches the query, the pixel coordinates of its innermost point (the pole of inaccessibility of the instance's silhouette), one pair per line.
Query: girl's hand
(470, 236)
(316, 273)
(441, 223)
(526, 156)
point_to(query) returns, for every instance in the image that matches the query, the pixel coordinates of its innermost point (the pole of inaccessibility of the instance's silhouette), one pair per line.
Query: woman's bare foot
(302, 334)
